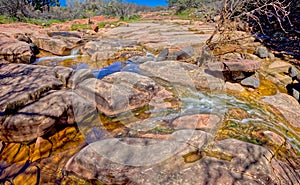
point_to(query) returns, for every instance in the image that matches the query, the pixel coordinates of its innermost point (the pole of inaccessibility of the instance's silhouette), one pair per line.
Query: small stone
(262, 52)
(252, 81)
(163, 55)
(188, 52)
(95, 28)
(124, 24)
(292, 71)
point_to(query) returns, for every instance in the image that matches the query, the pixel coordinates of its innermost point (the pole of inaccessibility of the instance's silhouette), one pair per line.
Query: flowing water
(192, 102)
(252, 116)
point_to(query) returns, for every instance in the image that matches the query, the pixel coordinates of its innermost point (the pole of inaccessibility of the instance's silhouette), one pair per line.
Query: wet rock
(118, 96)
(30, 176)
(78, 77)
(231, 161)
(22, 83)
(262, 52)
(15, 51)
(252, 81)
(179, 73)
(10, 170)
(235, 65)
(42, 149)
(163, 55)
(234, 87)
(197, 121)
(287, 106)
(39, 117)
(272, 136)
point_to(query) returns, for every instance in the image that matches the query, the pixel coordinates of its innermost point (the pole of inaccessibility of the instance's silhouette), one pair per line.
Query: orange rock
(124, 24)
(95, 27)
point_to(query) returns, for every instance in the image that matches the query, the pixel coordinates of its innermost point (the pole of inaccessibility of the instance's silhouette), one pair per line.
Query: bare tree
(258, 13)
(16, 8)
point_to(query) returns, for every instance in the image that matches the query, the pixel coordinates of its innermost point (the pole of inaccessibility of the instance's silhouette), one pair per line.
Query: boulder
(231, 162)
(119, 93)
(53, 45)
(235, 65)
(39, 118)
(22, 83)
(16, 51)
(287, 106)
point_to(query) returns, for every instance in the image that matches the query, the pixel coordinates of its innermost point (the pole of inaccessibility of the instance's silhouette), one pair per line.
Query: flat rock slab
(235, 65)
(119, 93)
(22, 83)
(287, 106)
(179, 73)
(53, 45)
(107, 49)
(198, 121)
(233, 162)
(155, 36)
(39, 117)
(15, 51)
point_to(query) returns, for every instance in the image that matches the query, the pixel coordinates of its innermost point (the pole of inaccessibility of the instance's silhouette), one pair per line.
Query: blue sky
(140, 2)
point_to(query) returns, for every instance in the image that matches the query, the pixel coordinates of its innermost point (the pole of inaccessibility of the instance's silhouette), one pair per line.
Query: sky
(139, 2)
